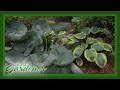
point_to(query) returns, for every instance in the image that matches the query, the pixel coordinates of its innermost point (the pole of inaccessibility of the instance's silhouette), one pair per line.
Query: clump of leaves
(40, 46)
(93, 49)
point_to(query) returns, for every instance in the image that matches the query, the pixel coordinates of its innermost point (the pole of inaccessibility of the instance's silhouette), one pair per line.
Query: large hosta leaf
(97, 46)
(95, 30)
(101, 60)
(30, 46)
(14, 56)
(91, 40)
(75, 69)
(84, 45)
(54, 69)
(60, 26)
(64, 56)
(81, 35)
(78, 51)
(90, 54)
(40, 26)
(86, 30)
(15, 30)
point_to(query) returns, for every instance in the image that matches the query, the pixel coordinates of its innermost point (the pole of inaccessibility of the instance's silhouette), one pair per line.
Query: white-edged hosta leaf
(81, 35)
(90, 54)
(79, 62)
(86, 30)
(107, 47)
(75, 69)
(71, 39)
(60, 26)
(62, 33)
(95, 30)
(99, 39)
(14, 56)
(97, 46)
(78, 51)
(101, 60)
(75, 19)
(63, 55)
(91, 40)
(15, 30)
(84, 45)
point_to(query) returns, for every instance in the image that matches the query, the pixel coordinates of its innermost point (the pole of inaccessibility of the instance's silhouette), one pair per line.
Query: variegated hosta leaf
(60, 26)
(14, 56)
(91, 40)
(75, 69)
(84, 45)
(71, 39)
(40, 27)
(62, 33)
(90, 54)
(95, 30)
(97, 46)
(15, 30)
(79, 62)
(86, 30)
(81, 35)
(101, 60)
(78, 51)
(107, 47)
(63, 55)
(99, 39)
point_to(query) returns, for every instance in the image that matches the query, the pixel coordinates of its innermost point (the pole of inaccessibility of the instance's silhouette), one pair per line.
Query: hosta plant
(40, 46)
(93, 49)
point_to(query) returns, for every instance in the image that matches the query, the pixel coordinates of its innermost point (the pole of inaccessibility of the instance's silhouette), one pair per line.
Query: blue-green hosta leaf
(97, 46)
(78, 51)
(86, 30)
(15, 30)
(63, 55)
(90, 54)
(81, 35)
(20, 46)
(79, 62)
(95, 30)
(54, 69)
(91, 40)
(40, 27)
(75, 69)
(60, 26)
(30, 47)
(14, 56)
(101, 60)
(107, 47)
(42, 60)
